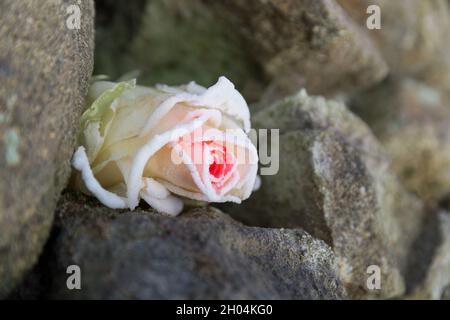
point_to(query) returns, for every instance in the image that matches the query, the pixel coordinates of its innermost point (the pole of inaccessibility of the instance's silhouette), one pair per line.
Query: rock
(44, 71)
(411, 120)
(268, 48)
(172, 42)
(413, 36)
(446, 293)
(202, 254)
(429, 272)
(308, 43)
(334, 181)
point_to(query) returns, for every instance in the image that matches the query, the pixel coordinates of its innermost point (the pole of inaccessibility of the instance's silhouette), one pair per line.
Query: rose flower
(164, 144)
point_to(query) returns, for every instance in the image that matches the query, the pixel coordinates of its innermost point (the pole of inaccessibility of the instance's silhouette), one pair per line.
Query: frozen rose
(164, 144)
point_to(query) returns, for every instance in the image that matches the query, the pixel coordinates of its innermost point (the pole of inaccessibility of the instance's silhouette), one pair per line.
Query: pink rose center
(221, 163)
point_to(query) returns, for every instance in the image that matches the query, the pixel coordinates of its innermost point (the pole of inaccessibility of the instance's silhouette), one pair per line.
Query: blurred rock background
(364, 146)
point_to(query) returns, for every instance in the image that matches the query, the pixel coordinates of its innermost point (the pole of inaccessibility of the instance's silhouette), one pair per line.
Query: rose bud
(165, 144)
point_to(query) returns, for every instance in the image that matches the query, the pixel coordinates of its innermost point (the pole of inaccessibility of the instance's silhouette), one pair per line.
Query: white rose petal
(130, 133)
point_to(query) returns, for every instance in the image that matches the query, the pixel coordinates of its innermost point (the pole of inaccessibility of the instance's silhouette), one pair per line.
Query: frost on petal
(257, 184)
(154, 144)
(129, 132)
(155, 189)
(109, 199)
(96, 119)
(171, 205)
(221, 96)
(227, 99)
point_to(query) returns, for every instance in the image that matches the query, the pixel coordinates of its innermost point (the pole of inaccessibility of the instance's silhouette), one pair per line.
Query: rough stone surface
(413, 36)
(429, 272)
(203, 254)
(446, 293)
(172, 42)
(44, 70)
(307, 43)
(412, 121)
(268, 48)
(335, 182)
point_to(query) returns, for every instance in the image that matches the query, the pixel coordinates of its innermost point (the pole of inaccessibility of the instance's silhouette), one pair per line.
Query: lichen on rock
(44, 74)
(203, 254)
(335, 181)
(356, 191)
(411, 120)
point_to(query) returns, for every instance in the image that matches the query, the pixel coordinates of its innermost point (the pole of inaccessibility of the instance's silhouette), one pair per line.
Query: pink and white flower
(164, 144)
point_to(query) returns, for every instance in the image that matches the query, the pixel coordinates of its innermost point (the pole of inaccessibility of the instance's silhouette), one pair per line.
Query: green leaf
(98, 108)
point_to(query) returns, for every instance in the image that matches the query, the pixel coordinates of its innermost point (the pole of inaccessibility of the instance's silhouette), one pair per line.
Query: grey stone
(446, 293)
(411, 120)
(172, 42)
(429, 272)
(202, 254)
(44, 71)
(335, 182)
(307, 43)
(413, 36)
(267, 48)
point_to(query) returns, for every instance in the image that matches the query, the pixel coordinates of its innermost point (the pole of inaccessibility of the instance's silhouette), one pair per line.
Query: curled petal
(155, 189)
(221, 96)
(109, 199)
(130, 133)
(170, 205)
(257, 184)
(149, 149)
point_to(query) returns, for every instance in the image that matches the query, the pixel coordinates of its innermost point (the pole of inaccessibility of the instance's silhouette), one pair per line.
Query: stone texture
(267, 48)
(411, 120)
(429, 272)
(172, 42)
(413, 36)
(446, 293)
(335, 182)
(307, 43)
(202, 254)
(44, 71)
